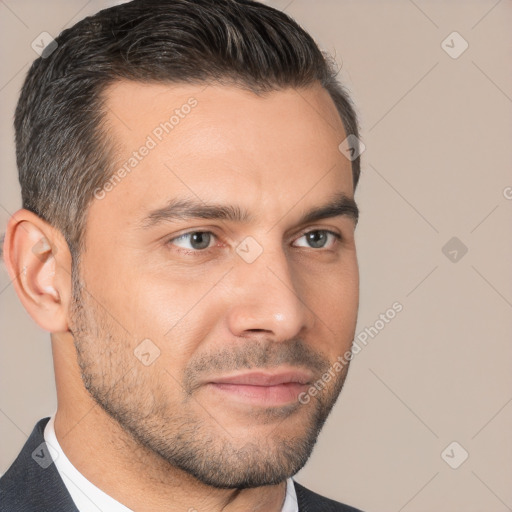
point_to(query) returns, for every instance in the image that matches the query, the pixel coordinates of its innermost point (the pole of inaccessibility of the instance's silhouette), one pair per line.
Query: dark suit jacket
(33, 484)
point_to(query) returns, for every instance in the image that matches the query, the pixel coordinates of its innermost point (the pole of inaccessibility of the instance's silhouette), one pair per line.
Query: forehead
(223, 143)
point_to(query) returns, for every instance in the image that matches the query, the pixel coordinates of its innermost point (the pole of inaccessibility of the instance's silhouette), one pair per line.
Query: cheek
(334, 298)
(335, 286)
(172, 313)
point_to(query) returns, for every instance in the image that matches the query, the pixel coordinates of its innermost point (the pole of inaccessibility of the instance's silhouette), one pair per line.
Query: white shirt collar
(89, 498)
(290, 503)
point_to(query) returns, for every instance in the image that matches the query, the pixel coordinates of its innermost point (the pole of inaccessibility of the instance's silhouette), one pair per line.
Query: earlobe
(37, 259)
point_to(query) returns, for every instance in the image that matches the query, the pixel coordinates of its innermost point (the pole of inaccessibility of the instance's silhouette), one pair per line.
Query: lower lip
(268, 396)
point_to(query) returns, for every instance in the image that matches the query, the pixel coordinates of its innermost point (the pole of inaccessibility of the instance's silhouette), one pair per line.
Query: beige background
(438, 133)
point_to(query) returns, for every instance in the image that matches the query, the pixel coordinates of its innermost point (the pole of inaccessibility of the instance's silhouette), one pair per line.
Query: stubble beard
(199, 445)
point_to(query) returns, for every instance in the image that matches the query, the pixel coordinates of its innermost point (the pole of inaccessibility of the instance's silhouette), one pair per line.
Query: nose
(266, 297)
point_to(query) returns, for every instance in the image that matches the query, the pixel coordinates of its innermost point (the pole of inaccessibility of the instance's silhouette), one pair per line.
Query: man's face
(197, 334)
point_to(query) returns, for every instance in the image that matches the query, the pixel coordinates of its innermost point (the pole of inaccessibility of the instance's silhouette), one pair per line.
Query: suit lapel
(32, 483)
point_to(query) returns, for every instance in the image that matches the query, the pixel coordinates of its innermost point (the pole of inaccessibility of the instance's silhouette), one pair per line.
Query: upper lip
(266, 378)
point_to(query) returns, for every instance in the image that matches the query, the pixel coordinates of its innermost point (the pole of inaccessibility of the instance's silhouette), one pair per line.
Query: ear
(38, 261)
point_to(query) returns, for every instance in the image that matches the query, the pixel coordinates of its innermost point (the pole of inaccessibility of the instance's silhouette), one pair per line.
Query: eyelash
(198, 252)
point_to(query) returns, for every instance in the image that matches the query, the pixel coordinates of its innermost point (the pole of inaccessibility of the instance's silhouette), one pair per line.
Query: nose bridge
(266, 296)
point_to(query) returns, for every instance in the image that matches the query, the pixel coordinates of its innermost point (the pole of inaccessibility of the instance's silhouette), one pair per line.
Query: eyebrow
(183, 208)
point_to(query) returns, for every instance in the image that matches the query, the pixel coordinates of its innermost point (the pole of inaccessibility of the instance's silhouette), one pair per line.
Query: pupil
(314, 237)
(200, 239)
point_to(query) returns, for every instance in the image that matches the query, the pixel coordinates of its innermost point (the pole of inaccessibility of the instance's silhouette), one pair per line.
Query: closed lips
(266, 379)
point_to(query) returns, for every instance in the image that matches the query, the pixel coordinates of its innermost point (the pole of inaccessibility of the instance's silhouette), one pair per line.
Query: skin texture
(157, 436)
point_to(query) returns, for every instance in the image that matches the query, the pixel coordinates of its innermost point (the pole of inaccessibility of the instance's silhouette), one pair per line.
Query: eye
(318, 238)
(200, 241)
(194, 240)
